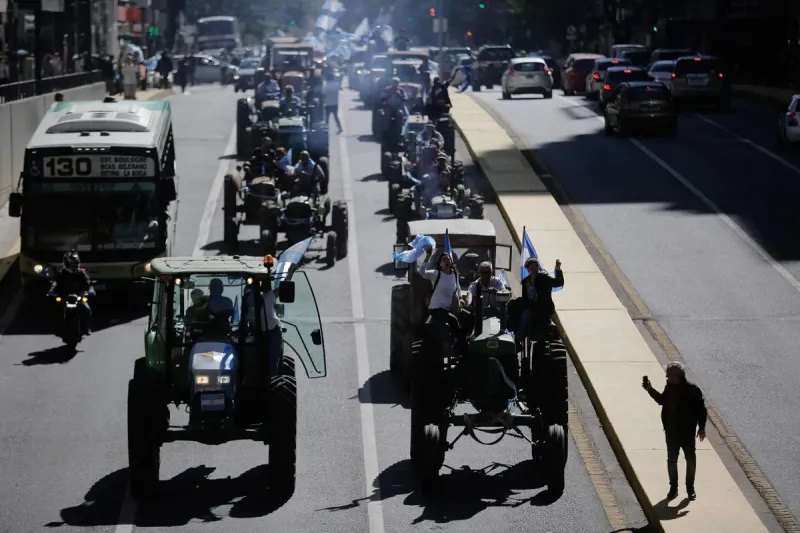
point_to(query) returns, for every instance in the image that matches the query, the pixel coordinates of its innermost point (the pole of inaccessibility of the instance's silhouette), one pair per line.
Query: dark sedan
(640, 105)
(617, 75)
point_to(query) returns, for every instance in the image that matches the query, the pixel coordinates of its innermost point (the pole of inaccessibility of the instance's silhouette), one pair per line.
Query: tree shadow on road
(188, 497)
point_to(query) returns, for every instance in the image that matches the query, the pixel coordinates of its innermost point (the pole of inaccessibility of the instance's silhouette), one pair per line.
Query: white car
(662, 71)
(788, 125)
(527, 75)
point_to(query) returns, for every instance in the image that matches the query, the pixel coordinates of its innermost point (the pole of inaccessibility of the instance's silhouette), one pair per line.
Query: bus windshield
(91, 216)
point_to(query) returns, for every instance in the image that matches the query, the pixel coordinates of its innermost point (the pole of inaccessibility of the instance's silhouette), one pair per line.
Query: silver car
(662, 71)
(788, 124)
(527, 75)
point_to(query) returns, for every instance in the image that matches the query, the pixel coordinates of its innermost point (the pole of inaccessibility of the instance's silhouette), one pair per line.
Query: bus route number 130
(65, 167)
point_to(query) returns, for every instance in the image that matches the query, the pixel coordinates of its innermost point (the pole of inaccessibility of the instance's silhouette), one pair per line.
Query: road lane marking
(368, 439)
(213, 197)
(727, 220)
(767, 152)
(127, 511)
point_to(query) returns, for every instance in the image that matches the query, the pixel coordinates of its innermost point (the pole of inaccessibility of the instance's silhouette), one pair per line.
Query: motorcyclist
(267, 89)
(289, 102)
(72, 279)
(537, 296)
(308, 173)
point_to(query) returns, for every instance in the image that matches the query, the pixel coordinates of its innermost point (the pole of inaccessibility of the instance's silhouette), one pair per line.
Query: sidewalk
(608, 350)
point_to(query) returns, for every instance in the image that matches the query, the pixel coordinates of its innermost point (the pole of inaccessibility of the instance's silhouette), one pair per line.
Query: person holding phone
(683, 412)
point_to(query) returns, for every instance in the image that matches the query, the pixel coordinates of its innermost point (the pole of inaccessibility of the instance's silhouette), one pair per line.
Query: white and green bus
(99, 178)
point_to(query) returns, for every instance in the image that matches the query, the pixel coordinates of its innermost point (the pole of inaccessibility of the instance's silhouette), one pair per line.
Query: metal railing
(26, 89)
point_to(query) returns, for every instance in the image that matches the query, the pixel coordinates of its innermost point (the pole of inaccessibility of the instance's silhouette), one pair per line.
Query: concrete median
(608, 350)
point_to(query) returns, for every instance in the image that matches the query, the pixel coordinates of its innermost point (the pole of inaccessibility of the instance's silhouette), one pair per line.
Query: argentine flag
(333, 7)
(291, 257)
(527, 252)
(326, 22)
(447, 248)
(362, 30)
(418, 248)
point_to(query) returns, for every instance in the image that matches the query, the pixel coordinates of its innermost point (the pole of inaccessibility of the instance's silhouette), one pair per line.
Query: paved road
(705, 229)
(63, 453)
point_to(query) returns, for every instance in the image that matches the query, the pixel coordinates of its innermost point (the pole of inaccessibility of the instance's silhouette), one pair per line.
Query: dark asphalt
(62, 428)
(727, 309)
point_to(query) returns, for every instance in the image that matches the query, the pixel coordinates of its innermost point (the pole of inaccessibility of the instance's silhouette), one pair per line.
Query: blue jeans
(274, 351)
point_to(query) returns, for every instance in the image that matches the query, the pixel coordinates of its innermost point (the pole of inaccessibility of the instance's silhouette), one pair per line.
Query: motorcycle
(71, 328)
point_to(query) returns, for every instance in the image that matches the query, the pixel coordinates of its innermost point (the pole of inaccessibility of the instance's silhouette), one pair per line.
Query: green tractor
(204, 349)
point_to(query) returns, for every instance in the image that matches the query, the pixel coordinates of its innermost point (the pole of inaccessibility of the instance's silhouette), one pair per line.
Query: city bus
(216, 33)
(99, 178)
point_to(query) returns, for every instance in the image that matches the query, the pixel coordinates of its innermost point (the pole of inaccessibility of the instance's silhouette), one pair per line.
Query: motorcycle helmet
(71, 261)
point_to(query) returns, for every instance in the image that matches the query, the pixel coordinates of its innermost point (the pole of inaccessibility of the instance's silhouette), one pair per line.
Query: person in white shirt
(485, 280)
(445, 277)
(331, 94)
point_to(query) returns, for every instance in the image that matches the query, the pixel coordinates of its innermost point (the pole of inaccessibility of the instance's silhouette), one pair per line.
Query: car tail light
(698, 59)
(596, 76)
(674, 75)
(511, 72)
(627, 71)
(548, 71)
(793, 119)
(606, 87)
(721, 76)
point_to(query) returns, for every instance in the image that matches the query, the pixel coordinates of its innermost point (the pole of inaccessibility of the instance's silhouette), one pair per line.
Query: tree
(622, 29)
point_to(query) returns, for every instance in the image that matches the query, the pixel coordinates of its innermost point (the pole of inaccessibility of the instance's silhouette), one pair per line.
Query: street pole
(440, 13)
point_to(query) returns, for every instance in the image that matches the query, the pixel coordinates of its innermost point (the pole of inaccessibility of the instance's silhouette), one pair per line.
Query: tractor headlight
(224, 380)
(201, 380)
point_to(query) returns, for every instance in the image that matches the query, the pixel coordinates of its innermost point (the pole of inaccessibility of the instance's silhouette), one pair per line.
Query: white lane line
(213, 197)
(368, 440)
(127, 511)
(767, 152)
(741, 233)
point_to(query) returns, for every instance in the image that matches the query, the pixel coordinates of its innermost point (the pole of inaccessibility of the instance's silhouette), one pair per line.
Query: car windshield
(249, 63)
(496, 54)
(221, 304)
(694, 66)
(602, 66)
(638, 94)
(529, 66)
(626, 75)
(637, 57)
(672, 54)
(87, 216)
(663, 66)
(583, 64)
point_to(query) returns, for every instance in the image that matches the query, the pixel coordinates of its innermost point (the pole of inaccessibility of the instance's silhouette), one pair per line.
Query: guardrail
(11, 92)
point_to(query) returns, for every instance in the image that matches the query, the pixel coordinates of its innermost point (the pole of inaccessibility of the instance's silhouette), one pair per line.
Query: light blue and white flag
(362, 30)
(417, 249)
(447, 248)
(327, 22)
(526, 253)
(387, 34)
(289, 258)
(333, 7)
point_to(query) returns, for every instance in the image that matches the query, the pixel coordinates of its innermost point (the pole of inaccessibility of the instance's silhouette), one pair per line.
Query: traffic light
(469, 33)
(153, 31)
(292, 22)
(655, 28)
(481, 5)
(433, 12)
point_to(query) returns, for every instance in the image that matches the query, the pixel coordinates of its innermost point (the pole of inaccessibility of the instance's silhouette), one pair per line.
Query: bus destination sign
(99, 166)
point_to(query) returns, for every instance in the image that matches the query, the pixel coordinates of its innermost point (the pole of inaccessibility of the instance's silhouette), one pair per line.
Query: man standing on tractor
(289, 102)
(430, 135)
(439, 99)
(537, 296)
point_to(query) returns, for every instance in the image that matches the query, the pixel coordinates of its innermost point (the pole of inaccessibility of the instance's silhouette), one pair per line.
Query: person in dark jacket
(683, 412)
(72, 279)
(537, 296)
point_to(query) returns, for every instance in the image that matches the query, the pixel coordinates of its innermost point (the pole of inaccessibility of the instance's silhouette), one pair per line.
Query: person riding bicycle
(72, 279)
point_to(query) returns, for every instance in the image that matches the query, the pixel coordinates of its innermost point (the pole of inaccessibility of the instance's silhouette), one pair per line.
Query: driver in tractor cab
(430, 135)
(267, 89)
(486, 281)
(537, 296)
(219, 305)
(446, 295)
(308, 174)
(289, 102)
(72, 279)
(198, 311)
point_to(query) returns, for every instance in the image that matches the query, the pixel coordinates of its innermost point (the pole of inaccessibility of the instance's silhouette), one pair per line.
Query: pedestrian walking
(129, 78)
(683, 415)
(331, 92)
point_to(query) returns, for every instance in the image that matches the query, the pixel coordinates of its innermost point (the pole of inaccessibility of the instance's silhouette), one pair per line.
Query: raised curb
(648, 505)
